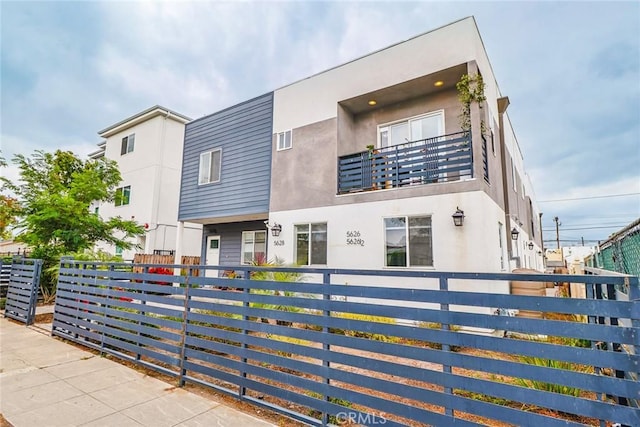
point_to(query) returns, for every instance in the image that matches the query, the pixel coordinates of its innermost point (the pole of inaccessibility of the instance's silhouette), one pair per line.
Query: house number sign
(278, 242)
(354, 238)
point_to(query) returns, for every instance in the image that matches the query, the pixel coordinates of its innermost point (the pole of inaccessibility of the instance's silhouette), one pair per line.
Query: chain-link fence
(621, 252)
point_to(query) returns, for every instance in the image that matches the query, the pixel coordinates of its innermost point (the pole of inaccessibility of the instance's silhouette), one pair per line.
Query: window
(513, 176)
(415, 129)
(123, 195)
(210, 164)
(254, 246)
(414, 251)
(311, 244)
(127, 144)
(96, 210)
(118, 250)
(501, 244)
(493, 143)
(284, 140)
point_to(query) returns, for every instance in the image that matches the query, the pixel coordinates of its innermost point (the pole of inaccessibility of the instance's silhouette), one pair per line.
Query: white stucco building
(148, 149)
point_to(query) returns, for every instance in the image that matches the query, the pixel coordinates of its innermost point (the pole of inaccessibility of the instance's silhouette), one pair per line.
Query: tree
(53, 197)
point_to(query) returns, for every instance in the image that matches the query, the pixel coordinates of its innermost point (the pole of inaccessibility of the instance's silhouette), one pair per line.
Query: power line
(584, 228)
(589, 198)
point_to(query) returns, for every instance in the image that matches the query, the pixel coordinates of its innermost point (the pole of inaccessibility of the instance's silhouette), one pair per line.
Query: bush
(555, 364)
(364, 334)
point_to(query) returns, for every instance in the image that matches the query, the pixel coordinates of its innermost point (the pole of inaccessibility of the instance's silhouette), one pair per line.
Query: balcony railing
(440, 159)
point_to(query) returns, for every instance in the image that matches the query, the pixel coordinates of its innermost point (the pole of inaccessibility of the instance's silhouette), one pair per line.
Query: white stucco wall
(314, 99)
(153, 170)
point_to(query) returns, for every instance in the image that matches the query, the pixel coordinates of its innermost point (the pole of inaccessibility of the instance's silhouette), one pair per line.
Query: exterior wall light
(514, 233)
(458, 217)
(530, 246)
(275, 228)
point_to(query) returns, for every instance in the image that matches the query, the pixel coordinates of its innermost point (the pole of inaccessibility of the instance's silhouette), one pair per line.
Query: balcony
(444, 158)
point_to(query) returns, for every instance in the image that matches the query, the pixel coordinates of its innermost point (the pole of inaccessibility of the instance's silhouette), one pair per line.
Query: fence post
(444, 286)
(246, 275)
(326, 347)
(35, 286)
(183, 332)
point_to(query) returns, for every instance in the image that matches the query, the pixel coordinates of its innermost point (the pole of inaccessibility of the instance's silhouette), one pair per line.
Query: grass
(555, 364)
(364, 334)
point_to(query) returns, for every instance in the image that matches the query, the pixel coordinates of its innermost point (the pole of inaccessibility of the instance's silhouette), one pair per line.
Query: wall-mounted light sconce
(530, 246)
(275, 228)
(514, 233)
(458, 217)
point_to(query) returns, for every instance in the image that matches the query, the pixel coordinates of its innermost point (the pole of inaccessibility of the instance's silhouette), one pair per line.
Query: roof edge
(142, 116)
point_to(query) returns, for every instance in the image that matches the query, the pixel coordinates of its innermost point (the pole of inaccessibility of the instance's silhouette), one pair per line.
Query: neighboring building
(363, 165)
(148, 149)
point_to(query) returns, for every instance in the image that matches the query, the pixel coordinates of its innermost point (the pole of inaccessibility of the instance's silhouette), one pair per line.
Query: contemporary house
(148, 149)
(370, 165)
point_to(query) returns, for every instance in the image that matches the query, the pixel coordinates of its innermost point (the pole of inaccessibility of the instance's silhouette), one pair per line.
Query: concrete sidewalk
(46, 382)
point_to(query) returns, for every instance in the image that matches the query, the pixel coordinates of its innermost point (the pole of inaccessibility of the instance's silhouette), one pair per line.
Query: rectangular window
(210, 166)
(118, 251)
(408, 242)
(123, 195)
(501, 244)
(127, 144)
(254, 247)
(284, 140)
(96, 210)
(513, 176)
(311, 244)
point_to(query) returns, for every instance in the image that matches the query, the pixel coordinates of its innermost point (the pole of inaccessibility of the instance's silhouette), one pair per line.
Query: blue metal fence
(413, 349)
(22, 291)
(441, 159)
(5, 271)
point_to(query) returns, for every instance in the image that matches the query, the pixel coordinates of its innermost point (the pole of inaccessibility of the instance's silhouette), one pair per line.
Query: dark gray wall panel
(230, 239)
(244, 133)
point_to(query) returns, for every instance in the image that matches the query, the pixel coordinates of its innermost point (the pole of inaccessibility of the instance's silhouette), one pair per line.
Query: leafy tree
(53, 197)
(8, 211)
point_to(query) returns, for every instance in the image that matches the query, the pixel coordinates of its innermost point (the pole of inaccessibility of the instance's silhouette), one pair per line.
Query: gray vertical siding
(230, 239)
(244, 133)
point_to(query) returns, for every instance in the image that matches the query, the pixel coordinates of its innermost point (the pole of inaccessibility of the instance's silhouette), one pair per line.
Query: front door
(213, 254)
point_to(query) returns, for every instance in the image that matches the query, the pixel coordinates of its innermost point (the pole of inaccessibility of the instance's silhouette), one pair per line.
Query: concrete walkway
(46, 382)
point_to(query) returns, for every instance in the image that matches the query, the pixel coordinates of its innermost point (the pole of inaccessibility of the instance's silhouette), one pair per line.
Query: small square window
(128, 143)
(284, 140)
(123, 195)
(214, 244)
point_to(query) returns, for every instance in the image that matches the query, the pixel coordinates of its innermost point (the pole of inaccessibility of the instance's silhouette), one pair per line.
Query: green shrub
(332, 418)
(555, 364)
(364, 334)
(3, 303)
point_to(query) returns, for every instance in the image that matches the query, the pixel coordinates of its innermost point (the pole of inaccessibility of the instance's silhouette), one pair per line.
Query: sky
(570, 69)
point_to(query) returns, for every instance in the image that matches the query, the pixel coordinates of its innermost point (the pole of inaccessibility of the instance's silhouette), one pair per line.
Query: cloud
(571, 71)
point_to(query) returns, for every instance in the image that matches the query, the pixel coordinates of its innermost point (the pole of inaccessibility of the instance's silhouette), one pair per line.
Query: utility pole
(555, 219)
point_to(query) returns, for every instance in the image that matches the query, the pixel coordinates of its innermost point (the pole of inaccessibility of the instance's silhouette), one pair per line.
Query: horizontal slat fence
(5, 271)
(410, 350)
(22, 291)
